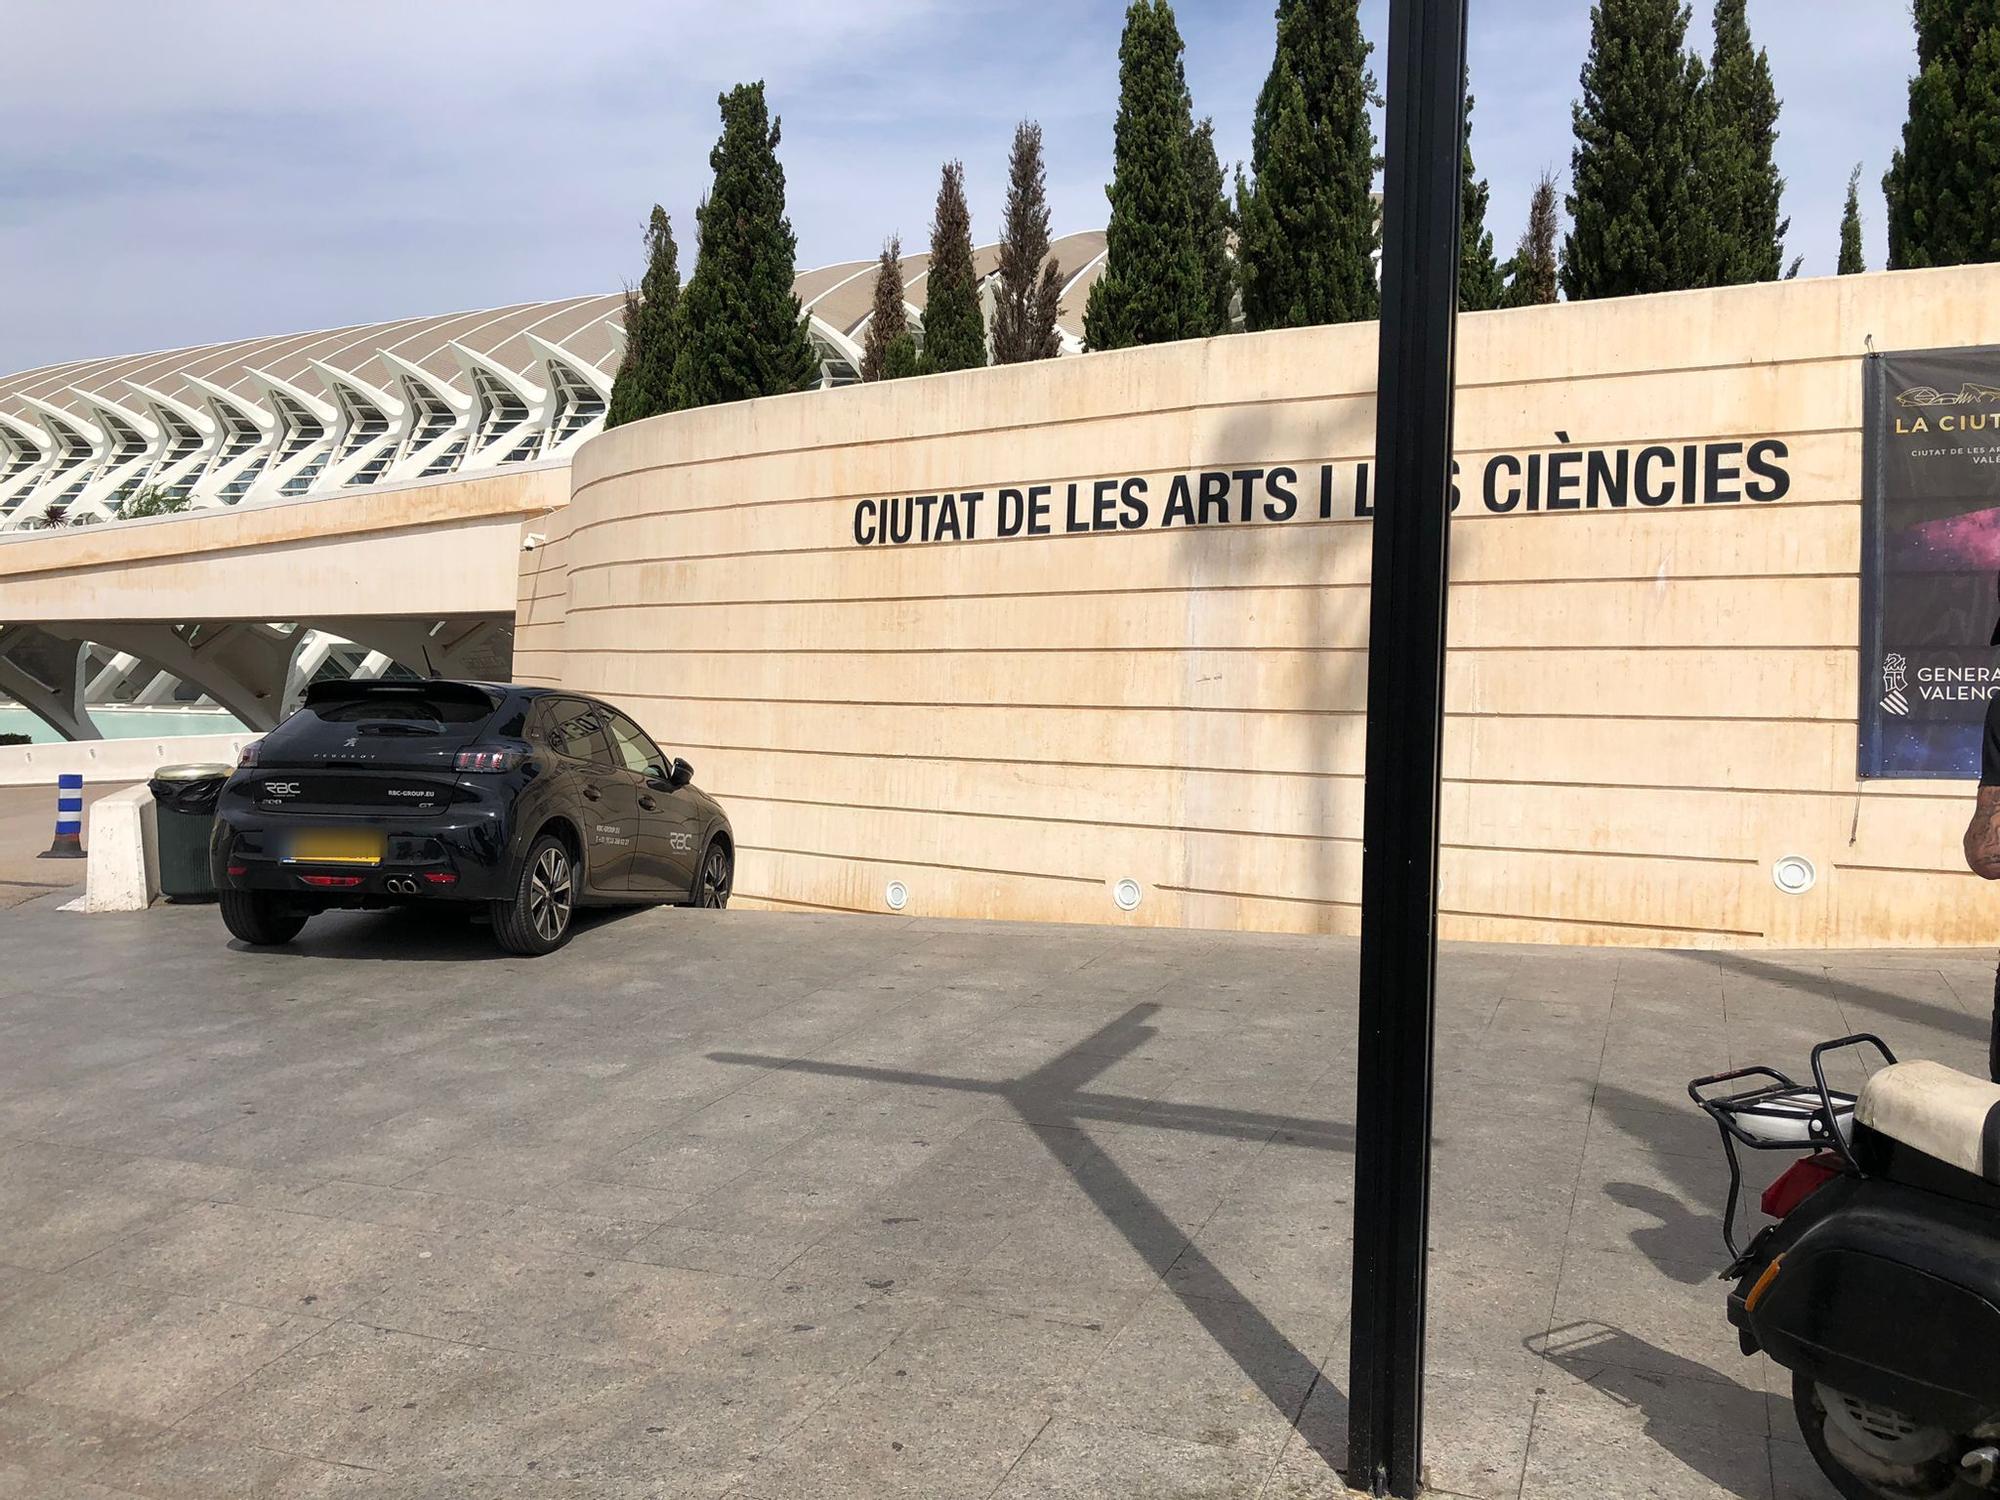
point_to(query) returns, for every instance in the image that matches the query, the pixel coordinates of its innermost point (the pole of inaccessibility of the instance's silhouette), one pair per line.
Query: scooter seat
(1947, 1115)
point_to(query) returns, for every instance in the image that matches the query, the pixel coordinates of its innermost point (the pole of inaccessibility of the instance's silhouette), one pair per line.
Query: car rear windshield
(402, 707)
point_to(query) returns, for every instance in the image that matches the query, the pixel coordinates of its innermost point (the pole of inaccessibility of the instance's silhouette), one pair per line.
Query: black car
(528, 801)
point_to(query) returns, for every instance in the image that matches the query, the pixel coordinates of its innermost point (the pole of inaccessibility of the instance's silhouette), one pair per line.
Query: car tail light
(239, 869)
(441, 877)
(1799, 1182)
(488, 760)
(247, 756)
(337, 881)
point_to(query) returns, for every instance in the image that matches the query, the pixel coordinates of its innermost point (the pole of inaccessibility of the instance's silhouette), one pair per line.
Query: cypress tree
(1745, 188)
(1639, 217)
(1852, 261)
(954, 331)
(644, 387)
(1151, 289)
(902, 359)
(890, 319)
(1030, 290)
(1942, 207)
(742, 333)
(1479, 284)
(1309, 226)
(1214, 219)
(1531, 274)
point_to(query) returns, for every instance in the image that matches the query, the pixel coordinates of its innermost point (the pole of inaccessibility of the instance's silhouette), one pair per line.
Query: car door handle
(591, 794)
(649, 804)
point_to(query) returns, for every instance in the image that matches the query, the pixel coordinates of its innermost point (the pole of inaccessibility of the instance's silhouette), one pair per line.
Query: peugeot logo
(281, 789)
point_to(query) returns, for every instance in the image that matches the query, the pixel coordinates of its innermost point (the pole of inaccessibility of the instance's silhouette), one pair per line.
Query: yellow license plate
(336, 846)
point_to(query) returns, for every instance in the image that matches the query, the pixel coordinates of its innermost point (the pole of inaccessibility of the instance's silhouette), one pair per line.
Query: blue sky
(185, 173)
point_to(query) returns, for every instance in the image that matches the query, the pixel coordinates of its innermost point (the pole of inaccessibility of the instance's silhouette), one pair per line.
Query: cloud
(213, 169)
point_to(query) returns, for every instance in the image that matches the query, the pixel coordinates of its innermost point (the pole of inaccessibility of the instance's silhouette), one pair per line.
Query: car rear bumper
(456, 856)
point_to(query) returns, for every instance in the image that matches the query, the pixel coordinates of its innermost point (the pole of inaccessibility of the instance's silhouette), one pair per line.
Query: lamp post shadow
(1055, 1102)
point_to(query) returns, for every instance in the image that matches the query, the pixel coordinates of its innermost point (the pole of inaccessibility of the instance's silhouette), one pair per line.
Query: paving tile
(473, 1291)
(60, 1318)
(286, 1262)
(17, 1483)
(171, 1464)
(174, 1358)
(697, 1249)
(46, 1227)
(897, 1443)
(809, 1337)
(212, 1182)
(1069, 1267)
(1578, 1446)
(1608, 1310)
(399, 1208)
(1794, 1475)
(1214, 1371)
(693, 1433)
(379, 1399)
(1073, 1460)
(1305, 1473)
(1006, 1358)
(55, 1440)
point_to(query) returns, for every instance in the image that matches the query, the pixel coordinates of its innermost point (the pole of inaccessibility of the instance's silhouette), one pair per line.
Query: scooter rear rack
(1781, 1114)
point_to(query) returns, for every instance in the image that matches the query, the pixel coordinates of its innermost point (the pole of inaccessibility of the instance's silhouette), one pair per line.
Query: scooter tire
(1946, 1483)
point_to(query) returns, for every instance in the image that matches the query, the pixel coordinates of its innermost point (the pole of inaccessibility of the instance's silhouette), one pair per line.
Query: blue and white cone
(69, 817)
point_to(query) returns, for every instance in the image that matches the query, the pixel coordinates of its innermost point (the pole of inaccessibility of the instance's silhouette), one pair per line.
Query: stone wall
(1650, 702)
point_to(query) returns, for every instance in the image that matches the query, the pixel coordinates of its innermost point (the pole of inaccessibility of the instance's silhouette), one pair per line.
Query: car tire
(538, 917)
(260, 918)
(715, 878)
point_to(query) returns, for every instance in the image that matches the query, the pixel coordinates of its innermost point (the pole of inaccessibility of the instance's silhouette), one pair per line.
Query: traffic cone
(69, 817)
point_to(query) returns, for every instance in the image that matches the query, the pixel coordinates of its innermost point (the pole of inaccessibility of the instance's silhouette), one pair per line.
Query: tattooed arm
(1982, 835)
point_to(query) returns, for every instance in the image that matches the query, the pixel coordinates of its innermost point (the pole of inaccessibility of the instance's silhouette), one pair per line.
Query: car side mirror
(679, 774)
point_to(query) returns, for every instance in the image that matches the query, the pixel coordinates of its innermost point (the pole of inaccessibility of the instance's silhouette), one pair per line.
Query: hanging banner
(1930, 560)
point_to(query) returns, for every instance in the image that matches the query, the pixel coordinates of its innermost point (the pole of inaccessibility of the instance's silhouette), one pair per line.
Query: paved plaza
(787, 1206)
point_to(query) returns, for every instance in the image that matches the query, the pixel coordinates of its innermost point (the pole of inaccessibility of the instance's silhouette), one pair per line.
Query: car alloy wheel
(550, 895)
(715, 875)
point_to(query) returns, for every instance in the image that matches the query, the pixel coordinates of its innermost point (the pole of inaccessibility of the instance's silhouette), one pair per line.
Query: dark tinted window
(578, 732)
(402, 708)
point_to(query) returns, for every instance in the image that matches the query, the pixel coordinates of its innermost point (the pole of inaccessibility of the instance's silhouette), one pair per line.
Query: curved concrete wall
(1649, 703)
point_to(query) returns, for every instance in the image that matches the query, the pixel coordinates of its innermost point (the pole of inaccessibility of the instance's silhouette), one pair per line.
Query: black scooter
(1878, 1283)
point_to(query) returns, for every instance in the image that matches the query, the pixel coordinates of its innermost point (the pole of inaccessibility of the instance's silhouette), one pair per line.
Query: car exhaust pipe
(401, 885)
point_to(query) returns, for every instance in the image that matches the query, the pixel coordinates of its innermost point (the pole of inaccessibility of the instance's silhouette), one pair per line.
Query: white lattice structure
(314, 414)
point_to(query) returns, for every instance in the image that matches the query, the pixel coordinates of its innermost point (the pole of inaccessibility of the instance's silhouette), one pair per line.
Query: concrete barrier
(114, 760)
(124, 872)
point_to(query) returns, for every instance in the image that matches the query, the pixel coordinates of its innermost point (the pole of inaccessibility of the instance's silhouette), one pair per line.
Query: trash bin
(184, 797)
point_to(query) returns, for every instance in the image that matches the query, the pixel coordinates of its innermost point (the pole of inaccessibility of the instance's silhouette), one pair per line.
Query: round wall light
(1794, 874)
(897, 895)
(1126, 894)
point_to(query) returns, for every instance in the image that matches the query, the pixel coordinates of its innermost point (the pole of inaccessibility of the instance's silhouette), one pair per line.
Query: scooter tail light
(485, 758)
(1799, 1182)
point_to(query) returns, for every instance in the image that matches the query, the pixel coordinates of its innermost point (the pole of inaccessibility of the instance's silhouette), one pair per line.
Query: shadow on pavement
(1846, 991)
(1685, 1243)
(1676, 1397)
(1054, 1099)
(415, 934)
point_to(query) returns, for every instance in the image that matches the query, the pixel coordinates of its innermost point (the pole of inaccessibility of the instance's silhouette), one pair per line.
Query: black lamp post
(1413, 432)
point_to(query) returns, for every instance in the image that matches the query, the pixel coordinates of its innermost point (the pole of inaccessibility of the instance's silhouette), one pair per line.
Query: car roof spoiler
(438, 690)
